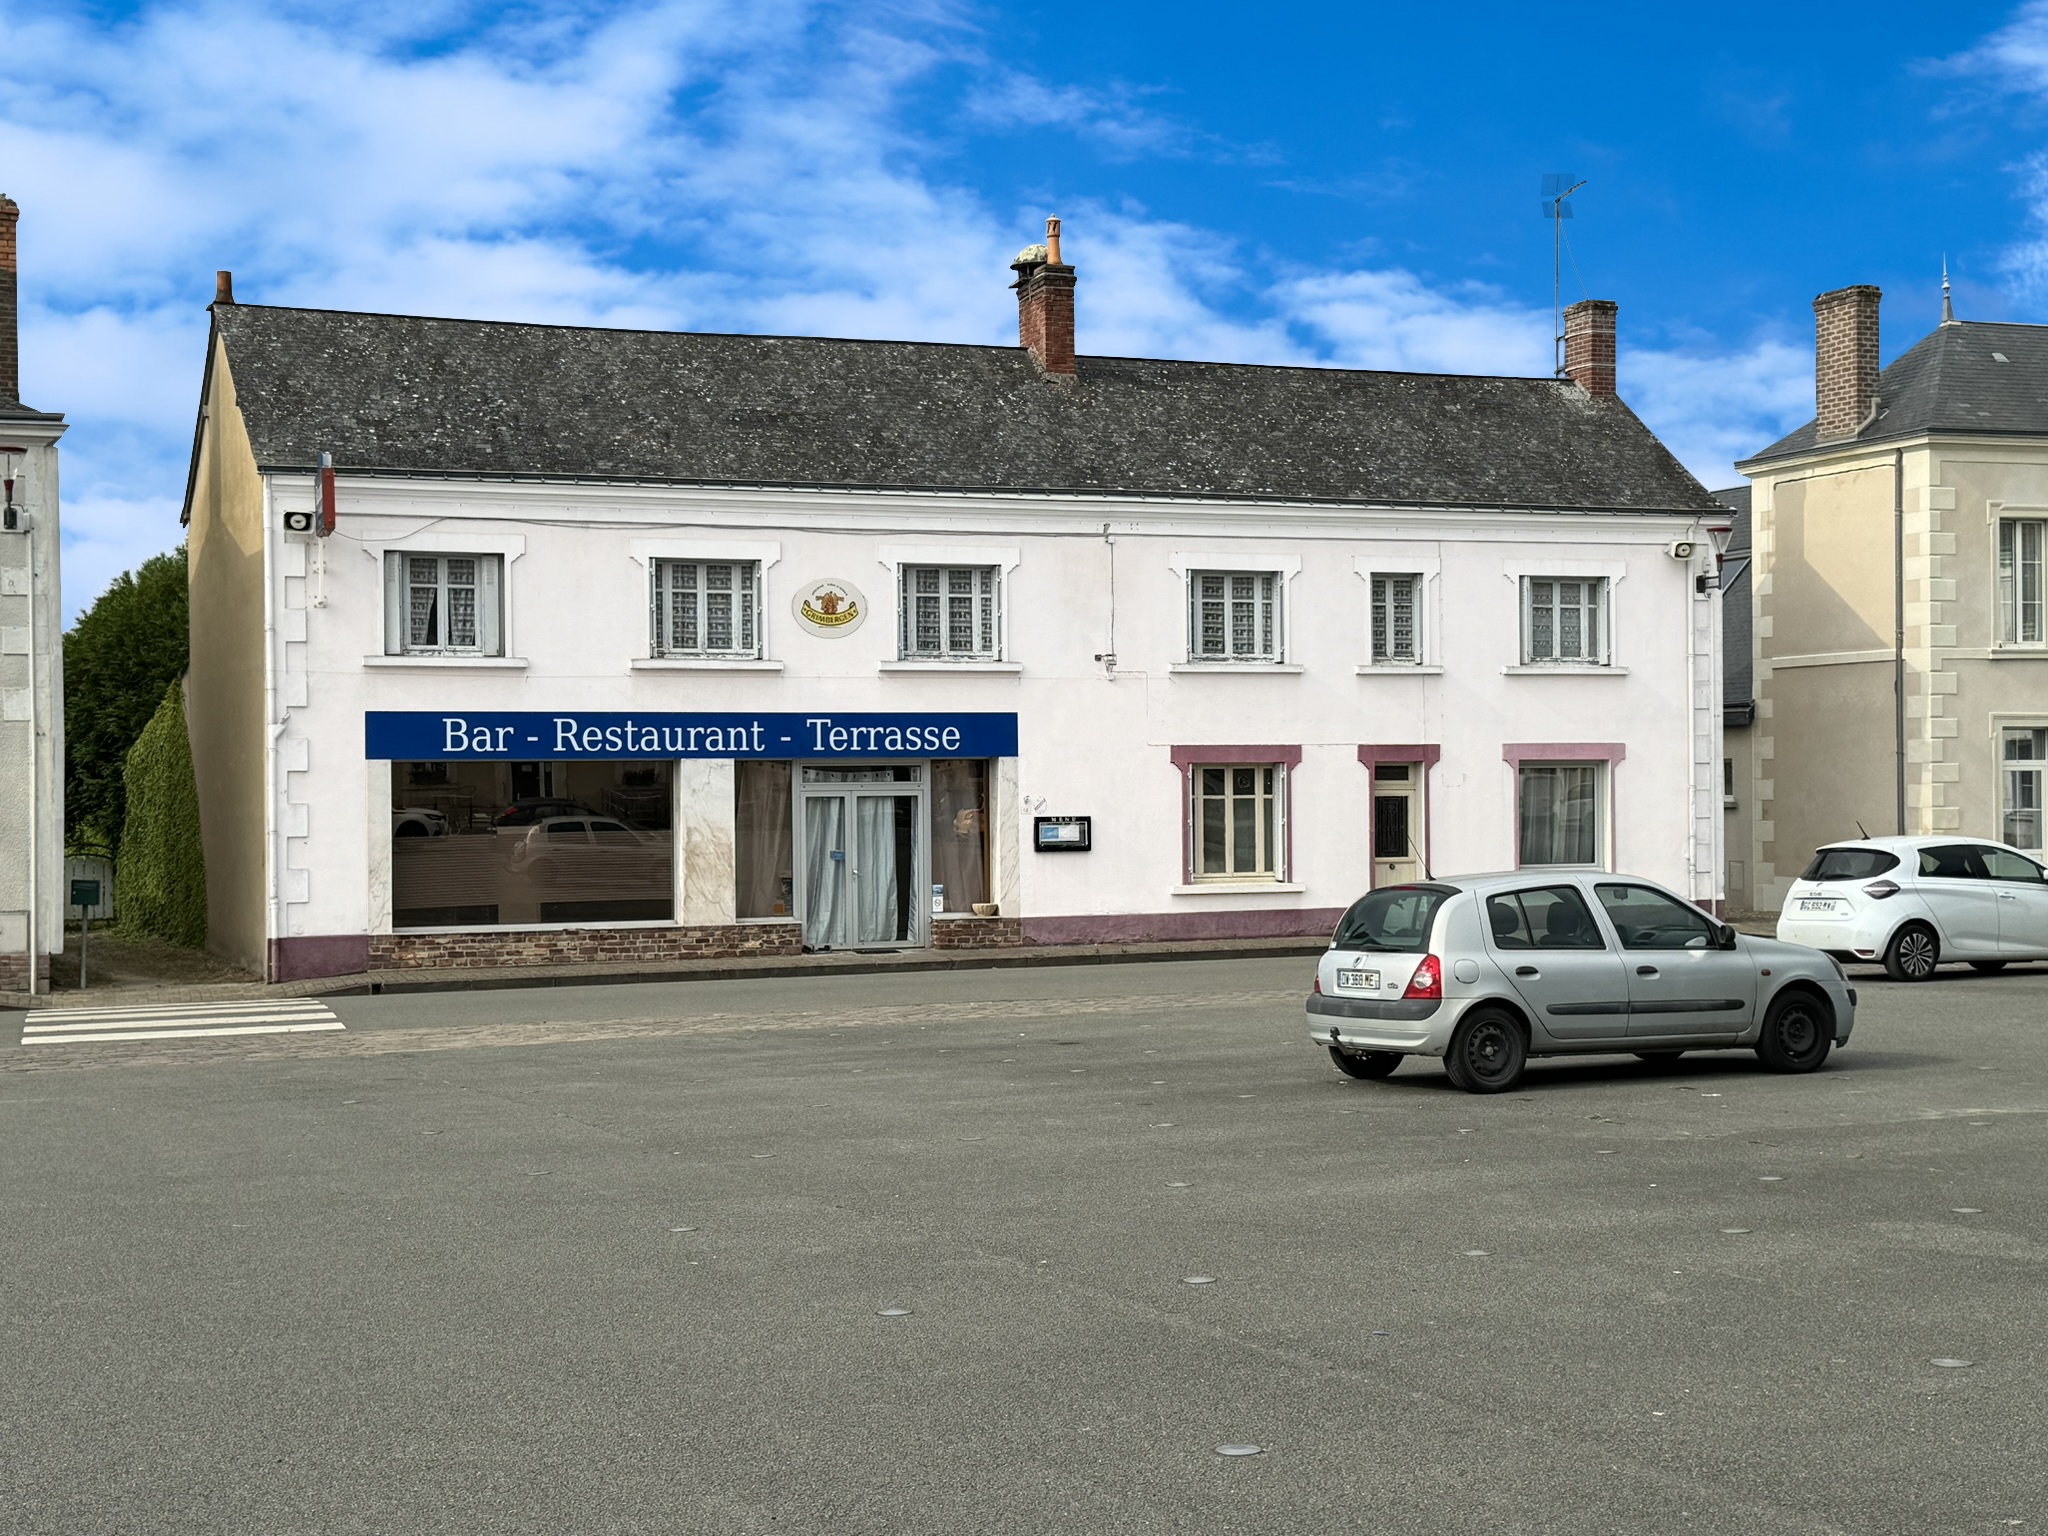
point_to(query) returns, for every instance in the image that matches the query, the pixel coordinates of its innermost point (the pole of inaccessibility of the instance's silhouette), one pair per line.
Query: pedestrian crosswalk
(179, 1021)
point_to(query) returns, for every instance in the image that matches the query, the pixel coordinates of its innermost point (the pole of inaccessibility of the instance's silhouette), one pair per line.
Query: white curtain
(1560, 813)
(881, 917)
(824, 876)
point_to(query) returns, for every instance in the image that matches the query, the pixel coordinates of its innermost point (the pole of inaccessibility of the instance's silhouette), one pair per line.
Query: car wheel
(1368, 1064)
(1913, 953)
(1488, 1052)
(1988, 967)
(1659, 1058)
(1798, 1030)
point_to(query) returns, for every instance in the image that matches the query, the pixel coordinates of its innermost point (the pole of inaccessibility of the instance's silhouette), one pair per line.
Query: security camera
(1682, 549)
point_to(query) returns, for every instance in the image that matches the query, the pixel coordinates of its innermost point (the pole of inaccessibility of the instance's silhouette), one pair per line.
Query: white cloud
(711, 164)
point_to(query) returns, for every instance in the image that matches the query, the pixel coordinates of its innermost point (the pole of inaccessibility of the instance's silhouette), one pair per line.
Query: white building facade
(32, 887)
(554, 717)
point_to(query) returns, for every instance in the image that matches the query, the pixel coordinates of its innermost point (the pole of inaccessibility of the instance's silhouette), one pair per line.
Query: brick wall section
(580, 946)
(977, 933)
(1844, 358)
(1589, 345)
(14, 973)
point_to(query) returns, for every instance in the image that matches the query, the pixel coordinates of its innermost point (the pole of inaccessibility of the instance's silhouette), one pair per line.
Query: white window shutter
(394, 603)
(490, 605)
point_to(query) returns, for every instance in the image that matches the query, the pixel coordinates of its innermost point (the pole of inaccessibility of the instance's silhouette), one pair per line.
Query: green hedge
(160, 878)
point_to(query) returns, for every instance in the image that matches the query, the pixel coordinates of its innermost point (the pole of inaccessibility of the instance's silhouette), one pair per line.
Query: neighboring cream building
(31, 661)
(1901, 597)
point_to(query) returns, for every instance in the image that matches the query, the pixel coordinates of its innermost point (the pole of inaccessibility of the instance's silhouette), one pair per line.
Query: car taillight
(1319, 983)
(1879, 889)
(1428, 980)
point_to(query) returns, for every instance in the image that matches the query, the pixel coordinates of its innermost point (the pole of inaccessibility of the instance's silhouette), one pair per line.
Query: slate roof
(1952, 380)
(1738, 684)
(401, 394)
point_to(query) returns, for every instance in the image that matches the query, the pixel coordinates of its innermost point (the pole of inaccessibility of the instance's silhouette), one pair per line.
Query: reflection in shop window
(763, 839)
(960, 833)
(476, 845)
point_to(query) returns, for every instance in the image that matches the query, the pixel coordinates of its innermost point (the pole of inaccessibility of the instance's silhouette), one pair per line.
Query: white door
(1396, 824)
(1960, 893)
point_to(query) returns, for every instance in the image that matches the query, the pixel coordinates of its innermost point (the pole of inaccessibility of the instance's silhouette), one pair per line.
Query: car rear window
(1396, 918)
(1849, 864)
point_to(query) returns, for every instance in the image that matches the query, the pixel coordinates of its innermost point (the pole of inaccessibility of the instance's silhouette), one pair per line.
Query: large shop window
(478, 845)
(765, 837)
(1237, 820)
(2025, 757)
(2020, 619)
(1559, 813)
(959, 834)
(1233, 616)
(707, 608)
(950, 613)
(443, 605)
(1564, 620)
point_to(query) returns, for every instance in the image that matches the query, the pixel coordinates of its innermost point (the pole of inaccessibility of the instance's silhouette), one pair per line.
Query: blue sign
(498, 736)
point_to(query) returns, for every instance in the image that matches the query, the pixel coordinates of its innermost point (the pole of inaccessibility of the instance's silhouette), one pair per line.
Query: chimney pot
(10, 306)
(1589, 345)
(223, 287)
(1045, 303)
(1845, 360)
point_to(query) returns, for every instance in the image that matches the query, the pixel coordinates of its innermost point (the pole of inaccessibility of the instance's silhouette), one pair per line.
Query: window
(442, 605)
(959, 807)
(763, 838)
(2001, 865)
(951, 613)
(1237, 821)
(1953, 861)
(1550, 917)
(2019, 582)
(1397, 918)
(2025, 756)
(1393, 619)
(1849, 864)
(1233, 616)
(707, 608)
(488, 844)
(1564, 620)
(1647, 919)
(1559, 813)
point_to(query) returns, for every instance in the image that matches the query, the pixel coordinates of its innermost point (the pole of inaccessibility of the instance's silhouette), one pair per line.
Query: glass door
(865, 860)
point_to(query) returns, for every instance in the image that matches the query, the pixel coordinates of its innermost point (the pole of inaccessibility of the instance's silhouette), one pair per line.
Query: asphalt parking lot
(619, 1259)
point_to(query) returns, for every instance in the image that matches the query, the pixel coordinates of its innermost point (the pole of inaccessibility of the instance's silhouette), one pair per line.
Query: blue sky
(1354, 184)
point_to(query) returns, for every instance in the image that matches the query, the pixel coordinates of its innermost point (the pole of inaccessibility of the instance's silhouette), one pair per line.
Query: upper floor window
(1564, 619)
(1393, 619)
(1233, 616)
(2019, 582)
(952, 612)
(443, 605)
(707, 608)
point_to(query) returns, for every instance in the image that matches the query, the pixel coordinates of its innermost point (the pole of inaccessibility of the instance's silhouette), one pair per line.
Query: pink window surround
(1427, 755)
(1516, 753)
(1185, 759)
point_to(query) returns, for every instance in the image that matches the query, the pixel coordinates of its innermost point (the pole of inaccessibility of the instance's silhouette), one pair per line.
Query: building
(1901, 644)
(639, 645)
(31, 661)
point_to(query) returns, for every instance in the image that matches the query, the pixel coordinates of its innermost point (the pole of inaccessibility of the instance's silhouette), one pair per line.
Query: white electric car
(1912, 903)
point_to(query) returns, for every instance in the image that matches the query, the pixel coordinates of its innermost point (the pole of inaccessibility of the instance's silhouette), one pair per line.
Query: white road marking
(183, 1021)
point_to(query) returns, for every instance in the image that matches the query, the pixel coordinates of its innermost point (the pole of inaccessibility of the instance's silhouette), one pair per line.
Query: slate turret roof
(1972, 377)
(397, 394)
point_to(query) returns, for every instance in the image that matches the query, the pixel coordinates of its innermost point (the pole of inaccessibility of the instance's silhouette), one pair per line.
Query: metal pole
(35, 763)
(84, 941)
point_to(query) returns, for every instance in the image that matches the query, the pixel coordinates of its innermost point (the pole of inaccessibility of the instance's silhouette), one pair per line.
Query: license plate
(1816, 906)
(1363, 981)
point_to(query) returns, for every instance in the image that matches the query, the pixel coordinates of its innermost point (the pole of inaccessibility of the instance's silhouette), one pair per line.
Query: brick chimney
(10, 307)
(1045, 303)
(1845, 360)
(1589, 345)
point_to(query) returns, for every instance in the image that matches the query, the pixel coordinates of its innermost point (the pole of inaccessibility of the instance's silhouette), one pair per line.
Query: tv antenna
(1557, 186)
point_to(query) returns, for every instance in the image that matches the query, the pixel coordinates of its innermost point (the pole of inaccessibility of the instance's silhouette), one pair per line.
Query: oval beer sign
(830, 608)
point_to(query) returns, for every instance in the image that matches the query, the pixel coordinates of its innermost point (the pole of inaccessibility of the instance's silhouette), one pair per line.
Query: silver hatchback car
(1489, 970)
